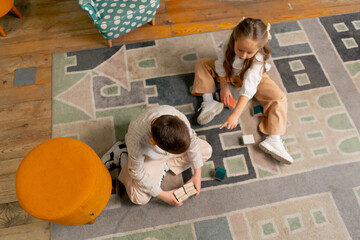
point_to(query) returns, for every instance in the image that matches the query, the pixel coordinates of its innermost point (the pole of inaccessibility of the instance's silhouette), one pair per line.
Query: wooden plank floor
(51, 26)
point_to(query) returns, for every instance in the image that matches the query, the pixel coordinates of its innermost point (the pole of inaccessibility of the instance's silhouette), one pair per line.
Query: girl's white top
(252, 76)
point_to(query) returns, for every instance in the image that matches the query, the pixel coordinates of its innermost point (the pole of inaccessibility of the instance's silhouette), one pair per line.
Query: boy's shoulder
(161, 108)
(156, 111)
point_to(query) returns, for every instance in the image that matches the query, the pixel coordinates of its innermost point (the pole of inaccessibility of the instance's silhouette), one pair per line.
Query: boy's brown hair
(171, 134)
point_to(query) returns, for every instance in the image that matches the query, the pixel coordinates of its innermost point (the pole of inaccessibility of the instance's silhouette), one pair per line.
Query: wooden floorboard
(30, 231)
(50, 26)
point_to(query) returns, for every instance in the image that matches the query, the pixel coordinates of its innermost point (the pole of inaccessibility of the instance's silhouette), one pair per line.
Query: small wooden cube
(220, 174)
(180, 194)
(190, 189)
(183, 198)
(232, 103)
(247, 139)
(258, 111)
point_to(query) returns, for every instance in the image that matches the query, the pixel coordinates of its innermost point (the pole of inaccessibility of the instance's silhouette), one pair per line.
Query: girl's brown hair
(256, 30)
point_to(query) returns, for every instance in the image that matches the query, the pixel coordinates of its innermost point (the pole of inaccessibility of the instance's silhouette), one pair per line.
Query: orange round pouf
(62, 180)
(5, 6)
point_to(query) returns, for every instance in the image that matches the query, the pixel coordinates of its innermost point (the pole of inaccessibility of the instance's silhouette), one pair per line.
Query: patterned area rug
(315, 61)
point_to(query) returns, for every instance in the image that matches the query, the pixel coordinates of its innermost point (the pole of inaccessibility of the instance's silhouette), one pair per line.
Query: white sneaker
(208, 111)
(116, 156)
(275, 147)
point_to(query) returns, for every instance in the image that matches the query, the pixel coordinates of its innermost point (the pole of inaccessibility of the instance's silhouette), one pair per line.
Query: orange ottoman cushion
(62, 180)
(5, 6)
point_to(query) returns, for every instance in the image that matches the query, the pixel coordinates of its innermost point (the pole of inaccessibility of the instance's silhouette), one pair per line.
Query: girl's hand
(169, 198)
(225, 95)
(231, 122)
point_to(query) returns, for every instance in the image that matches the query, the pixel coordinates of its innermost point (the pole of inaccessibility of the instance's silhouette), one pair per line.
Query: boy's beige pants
(268, 94)
(155, 168)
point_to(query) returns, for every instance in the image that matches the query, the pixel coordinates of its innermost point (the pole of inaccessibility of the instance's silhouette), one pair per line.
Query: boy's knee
(132, 189)
(140, 201)
(138, 197)
(206, 151)
(209, 153)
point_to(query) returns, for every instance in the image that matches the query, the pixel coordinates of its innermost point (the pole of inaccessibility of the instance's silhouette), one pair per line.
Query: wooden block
(190, 189)
(189, 186)
(247, 139)
(258, 111)
(185, 192)
(182, 198)
(191, 192)
(220, 174)
(232, 104)
(180, 194)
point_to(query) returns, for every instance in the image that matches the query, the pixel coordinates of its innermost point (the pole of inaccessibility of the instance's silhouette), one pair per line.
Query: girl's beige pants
(268, 94)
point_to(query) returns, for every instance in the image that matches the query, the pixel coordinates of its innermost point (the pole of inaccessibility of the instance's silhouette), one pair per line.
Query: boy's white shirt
(252, 76)
(139, 147)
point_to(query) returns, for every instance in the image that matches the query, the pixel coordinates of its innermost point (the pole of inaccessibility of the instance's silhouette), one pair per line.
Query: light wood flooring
(50, 26)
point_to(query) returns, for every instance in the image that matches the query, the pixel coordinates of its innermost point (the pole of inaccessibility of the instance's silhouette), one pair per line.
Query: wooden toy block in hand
(232, 103)
(247, 139)
(190, 189)
(185, 192)
(180, 195)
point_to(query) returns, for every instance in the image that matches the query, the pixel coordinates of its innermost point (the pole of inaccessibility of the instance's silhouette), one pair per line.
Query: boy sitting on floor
(158, 139)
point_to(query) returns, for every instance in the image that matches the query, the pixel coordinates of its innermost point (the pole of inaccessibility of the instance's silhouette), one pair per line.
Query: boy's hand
(169, 198)
(196, 179)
